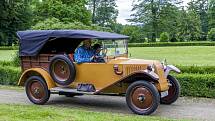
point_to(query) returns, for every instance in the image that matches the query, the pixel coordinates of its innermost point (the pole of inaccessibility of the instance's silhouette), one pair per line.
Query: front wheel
(37, 90)
(142, 97)
(173, 92)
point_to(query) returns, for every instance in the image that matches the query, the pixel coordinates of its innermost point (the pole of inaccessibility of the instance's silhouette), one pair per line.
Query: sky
(125, 6)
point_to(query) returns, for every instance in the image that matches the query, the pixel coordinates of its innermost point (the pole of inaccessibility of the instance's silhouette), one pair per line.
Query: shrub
(197, 85)
(197, 69)
(211, 34)
(9, 75)
(164, 37)
(16, 59)
(9, 48)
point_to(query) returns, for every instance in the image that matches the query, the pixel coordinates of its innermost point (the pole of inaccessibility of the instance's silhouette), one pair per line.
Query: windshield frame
(115, 46)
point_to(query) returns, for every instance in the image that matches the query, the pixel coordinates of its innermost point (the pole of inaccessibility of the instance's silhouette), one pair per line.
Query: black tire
(142, 97)
(62, 70)
(37, 90)
(173, 92)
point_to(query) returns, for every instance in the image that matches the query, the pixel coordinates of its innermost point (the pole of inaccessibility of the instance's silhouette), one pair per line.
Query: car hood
(133, 61)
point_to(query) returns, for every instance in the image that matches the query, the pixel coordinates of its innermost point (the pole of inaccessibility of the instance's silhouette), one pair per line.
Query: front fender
(169, 68)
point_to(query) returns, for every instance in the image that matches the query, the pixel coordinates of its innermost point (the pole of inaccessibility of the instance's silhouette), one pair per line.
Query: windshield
(115, 47)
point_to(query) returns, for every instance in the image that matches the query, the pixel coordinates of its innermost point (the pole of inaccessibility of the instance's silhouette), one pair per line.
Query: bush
(197, 69)
(9, 47)
(16, 60)
(211, 35)
(197, 85)
(9, 75)
(164, 37)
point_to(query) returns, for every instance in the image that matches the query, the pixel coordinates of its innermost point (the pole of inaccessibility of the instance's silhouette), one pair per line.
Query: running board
(69, 90)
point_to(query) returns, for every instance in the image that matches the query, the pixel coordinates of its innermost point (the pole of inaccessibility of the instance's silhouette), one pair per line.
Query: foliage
(197, 85)
(63, 10)
(9, 75)
(15, 15)
(189, 27)
(164, 37)
(211, 14)
(211, 34)
(197, 69)
(167, 44)
(148, 13)
(55, 24)
(104, 12)
(134, 32)
(16, 60)
(9, 47)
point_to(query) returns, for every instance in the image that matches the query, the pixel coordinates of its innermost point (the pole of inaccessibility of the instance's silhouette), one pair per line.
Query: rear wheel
(142, 97)
(37, 90)
(173, 92)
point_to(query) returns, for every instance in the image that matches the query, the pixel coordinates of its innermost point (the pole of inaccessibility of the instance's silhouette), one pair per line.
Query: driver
(84, 53)
(97, 57)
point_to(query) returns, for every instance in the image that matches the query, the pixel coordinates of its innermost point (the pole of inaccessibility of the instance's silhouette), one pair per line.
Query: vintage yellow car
(48, 65)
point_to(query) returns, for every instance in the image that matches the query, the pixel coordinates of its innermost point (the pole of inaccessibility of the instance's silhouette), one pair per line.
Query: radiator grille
(132, 68)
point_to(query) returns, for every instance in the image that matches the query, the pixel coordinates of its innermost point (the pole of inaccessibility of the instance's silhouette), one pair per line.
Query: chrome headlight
(164, 63)
(151, 67)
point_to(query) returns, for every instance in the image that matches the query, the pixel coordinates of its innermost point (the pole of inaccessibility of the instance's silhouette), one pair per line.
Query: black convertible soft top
(32, 41)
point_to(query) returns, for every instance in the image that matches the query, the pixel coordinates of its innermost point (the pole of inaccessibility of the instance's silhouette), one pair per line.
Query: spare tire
(62, 70)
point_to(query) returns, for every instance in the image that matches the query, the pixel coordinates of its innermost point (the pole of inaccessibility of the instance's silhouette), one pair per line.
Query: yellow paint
(34, 72)
(102, 75)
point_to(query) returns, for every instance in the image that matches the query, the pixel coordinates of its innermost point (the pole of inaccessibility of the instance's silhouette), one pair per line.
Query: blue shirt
(83, 55)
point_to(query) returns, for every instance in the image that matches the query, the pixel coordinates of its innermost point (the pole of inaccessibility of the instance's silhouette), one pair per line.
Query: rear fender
(38, 72)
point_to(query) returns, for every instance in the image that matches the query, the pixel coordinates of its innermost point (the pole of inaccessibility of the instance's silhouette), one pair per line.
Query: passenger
(97, 57)
(97, 49)
(84, 53)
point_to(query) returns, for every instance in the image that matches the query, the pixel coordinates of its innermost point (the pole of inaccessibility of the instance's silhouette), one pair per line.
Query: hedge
(156, 44)
(197, 69)
(164, 44)
(9, 47)
(197, 85)
(9, 75)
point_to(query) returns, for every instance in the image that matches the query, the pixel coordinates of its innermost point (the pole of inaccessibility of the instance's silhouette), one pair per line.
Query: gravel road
(201, 109)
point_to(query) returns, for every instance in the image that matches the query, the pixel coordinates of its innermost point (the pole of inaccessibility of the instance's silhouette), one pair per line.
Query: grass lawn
(192, 55)
(189, 55)
(10, 112)
(6, 55)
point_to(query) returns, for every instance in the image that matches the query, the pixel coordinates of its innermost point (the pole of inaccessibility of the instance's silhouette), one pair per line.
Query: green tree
(211, 14)
(64, 10)
(211, 35)
(190, 24)
(56, 24)
(15, 15)
(104, 12)
(164, 37)
(147, 12)
(134, 32)
(169, 20)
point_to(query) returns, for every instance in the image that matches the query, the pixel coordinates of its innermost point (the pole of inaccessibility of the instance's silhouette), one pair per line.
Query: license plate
(164, 94)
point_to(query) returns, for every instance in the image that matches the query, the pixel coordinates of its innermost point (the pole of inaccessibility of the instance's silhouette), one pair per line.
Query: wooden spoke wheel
(173, 92)
(142, 97)
(37, 90)
(62, 70)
